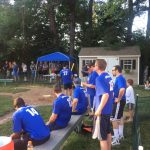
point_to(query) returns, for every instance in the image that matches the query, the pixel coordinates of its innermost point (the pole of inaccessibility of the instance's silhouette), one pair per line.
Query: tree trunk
(130, 21)
(53, 30)
(72, 5)
(90, 13)
(148, 23)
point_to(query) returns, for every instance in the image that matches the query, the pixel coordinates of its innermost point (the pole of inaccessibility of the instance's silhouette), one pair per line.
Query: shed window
(128, 64)
(87, 61)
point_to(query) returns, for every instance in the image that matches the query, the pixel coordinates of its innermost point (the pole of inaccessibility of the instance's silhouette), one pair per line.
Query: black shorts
(105, 127)
(68, 86)
(54, 126)
(130, 106)
(117, 112)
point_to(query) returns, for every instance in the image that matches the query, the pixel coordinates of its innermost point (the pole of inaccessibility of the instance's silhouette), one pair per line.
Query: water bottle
(30, 145)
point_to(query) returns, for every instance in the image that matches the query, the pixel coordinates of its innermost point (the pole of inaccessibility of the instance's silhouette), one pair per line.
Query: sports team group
(100, 96)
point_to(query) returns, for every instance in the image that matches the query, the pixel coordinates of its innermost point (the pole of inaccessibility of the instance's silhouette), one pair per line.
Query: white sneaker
(121, 137)
(115, 142)
(112, 136)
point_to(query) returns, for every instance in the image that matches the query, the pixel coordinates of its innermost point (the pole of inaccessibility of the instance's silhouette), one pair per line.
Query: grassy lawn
(141, 91)
(5, 105)
(75, 141)
(84, 141)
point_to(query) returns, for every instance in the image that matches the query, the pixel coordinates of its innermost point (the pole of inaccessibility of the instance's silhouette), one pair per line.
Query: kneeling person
(61, 113)
(80, 100)
(28, 125)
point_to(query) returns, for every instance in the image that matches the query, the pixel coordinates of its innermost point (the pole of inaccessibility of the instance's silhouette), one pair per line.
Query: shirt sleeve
(121, 83)
(128, 93)
(76, 94)
(56, 108)
(102, 87)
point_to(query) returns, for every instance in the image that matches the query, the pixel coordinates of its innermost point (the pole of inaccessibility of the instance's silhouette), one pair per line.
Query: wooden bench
(6, 81)
(58, 137)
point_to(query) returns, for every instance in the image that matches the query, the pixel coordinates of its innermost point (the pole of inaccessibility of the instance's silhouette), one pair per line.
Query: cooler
(6, 143)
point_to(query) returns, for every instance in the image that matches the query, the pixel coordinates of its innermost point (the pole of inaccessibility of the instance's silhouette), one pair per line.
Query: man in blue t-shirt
(103, 105)
(119, 103)
(61, 113)
(90, 84)
(27, 125)
(66, 76)
(80, 100)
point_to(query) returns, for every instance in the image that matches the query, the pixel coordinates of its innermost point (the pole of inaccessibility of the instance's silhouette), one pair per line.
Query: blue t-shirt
(91, 80)
(80, 94)
(29, 120)
(120, 82)
(62, 107)
(66, 75)
(104, 84)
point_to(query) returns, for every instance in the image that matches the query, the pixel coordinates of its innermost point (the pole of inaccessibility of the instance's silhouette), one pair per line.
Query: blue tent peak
(57, 56)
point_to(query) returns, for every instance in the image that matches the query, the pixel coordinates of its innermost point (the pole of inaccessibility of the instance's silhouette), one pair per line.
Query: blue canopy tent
(57, 56)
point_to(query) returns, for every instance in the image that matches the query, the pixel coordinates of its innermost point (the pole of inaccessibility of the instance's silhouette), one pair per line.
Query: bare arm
(74, 104)
(52, 118)
(120, 95)
(15, 135)
(88, 85)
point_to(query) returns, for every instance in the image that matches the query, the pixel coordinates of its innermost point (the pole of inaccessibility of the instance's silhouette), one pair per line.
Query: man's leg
(115, 129)
(121, 127)
(54, 126)
(115, 112)
(104, 145)
(20, 144)
(70, 92)
(105, 132)
(109, 141)
(121, 123)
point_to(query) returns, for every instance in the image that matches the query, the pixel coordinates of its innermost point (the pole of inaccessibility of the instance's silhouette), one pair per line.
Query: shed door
(111, 62)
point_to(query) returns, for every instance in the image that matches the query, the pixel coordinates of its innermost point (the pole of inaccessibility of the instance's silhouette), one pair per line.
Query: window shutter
(121, 64)
(134, 64)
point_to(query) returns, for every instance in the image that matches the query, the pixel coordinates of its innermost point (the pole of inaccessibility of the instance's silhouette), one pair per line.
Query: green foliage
(25, 27)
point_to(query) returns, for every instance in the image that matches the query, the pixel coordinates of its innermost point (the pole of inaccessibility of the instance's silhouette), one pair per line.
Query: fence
(142, 112)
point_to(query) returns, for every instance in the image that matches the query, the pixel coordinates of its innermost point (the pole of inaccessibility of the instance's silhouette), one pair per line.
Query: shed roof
(106, 51)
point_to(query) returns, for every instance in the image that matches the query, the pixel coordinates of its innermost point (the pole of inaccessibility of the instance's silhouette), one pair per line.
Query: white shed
(128, 58)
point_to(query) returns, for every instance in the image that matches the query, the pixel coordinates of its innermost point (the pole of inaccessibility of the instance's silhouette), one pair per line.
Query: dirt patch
(36, 96)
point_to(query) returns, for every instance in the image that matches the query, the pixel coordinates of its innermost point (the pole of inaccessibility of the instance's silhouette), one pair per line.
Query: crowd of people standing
(28, 72)
(14, 70)
(110, 97)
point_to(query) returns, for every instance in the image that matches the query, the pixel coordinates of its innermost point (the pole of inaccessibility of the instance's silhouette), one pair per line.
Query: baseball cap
(77, 81)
